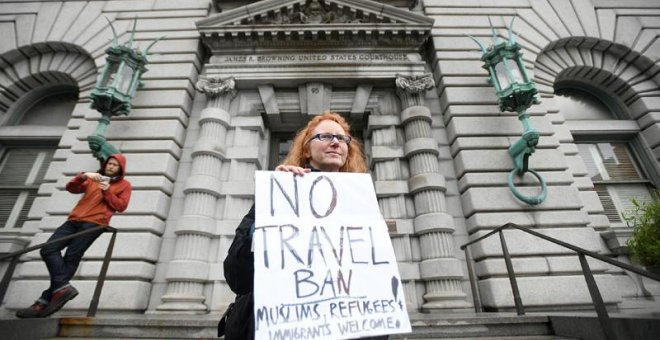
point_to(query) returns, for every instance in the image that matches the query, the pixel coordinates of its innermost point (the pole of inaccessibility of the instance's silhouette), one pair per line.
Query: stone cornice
(329, 23)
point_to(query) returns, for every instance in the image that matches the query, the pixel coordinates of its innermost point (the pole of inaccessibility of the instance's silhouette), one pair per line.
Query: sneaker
(59, 298)
(37, 310)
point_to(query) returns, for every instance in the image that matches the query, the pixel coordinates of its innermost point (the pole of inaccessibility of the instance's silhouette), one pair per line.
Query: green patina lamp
(515, 93)
(115, 89)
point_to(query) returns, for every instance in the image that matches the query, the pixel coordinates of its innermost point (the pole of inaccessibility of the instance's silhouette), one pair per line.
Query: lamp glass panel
(126, 78)
(515, 71)
(500, 72)
(110, 75)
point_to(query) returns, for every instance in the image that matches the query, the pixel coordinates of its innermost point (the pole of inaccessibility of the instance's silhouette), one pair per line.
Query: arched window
(608, 143)
(29, 135)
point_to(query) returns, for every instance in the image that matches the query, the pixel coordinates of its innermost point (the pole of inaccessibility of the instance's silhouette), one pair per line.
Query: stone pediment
(292, 23)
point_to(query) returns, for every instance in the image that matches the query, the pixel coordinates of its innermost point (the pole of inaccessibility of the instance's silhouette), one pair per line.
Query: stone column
(188, 271)
(440, 270)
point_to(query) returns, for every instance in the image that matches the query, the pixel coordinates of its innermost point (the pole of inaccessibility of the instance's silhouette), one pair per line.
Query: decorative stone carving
(415, 84)
(214, 86)
(314, 12)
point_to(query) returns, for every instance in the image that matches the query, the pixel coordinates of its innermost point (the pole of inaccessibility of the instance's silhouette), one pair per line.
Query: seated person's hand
(292, 168)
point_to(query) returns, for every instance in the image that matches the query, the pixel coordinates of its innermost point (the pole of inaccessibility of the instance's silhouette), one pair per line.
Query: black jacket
(239, 263)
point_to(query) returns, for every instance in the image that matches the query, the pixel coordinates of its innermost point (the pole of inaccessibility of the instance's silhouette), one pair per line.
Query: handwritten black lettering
(333, 202)
(294, 204)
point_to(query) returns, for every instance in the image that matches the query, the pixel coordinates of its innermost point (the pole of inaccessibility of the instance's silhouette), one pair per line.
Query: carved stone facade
(411, 84)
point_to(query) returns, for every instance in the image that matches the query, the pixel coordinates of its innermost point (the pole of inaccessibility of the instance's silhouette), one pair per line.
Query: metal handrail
(596, 297)
(93, 306)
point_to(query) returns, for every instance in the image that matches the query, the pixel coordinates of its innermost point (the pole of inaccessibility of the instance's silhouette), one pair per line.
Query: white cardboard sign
(324, 267)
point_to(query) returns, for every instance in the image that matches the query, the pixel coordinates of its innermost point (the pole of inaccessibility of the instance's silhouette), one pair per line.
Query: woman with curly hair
(324, 144)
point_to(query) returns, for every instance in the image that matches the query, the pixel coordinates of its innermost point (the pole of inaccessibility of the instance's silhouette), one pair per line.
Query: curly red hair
(299, 153)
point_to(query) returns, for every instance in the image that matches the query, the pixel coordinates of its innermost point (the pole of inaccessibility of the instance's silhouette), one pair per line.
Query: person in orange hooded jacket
(104, 193)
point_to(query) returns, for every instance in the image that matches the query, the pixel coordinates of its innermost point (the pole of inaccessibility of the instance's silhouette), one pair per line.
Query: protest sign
(324, 267)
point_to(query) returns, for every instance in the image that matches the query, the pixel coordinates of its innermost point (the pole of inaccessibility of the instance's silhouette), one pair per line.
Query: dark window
(22, 170)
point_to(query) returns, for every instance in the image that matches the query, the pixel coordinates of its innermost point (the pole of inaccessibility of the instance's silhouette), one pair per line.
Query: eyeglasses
(328, 137)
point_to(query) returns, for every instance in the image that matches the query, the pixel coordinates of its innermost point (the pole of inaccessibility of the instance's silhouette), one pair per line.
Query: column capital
(411, 89)
(415, 84)
(214, 86)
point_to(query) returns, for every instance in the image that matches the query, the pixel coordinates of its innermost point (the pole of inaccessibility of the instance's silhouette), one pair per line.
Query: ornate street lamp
(515, 93)
(115, 88)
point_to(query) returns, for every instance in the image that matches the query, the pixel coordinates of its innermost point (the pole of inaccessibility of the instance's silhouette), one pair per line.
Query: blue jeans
(61, 269)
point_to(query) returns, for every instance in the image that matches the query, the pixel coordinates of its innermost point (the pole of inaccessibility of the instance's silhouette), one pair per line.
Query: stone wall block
(538, 218)
(576, 165)
(255, 123)
(490, 179)
(599, 222)
(117, 295)
(178, 5)
(591, 202)
(137, 223)
(477, 200)
(245, 153)
(521, 266)
(137, 130)
(547, 290)
(420, 145)
(143, 246)
(499, 160)
(433, 222)
(537, 266)
(39, 207)
(652, 135)
(136, 164)
(171, 71)
(523, 244)
(175, 46)
(648, 119)
(227, 227)
(390, 188)
(382, 121)
(89, 270)
(149, 202)
(380, 153)
(402, 226)
(162, 98)
(495, 126)
(475, 143)
(141, 146)
(238, 189)
(150, 114)
(145, 183)
(408, 271)
(427, 181)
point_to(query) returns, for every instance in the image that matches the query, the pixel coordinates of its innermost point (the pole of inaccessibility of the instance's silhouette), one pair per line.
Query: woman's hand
(292, 168)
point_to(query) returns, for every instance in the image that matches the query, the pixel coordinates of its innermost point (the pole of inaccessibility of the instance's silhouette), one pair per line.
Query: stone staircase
(487, 326)
(449, 325)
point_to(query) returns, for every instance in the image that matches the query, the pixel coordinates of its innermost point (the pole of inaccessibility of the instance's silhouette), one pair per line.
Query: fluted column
(440, 270)
(188, 271)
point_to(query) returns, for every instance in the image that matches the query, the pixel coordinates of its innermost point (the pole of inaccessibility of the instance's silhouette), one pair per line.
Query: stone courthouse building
(230, 83)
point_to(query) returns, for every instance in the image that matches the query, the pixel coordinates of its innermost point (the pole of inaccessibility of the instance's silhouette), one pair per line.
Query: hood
(122, 164)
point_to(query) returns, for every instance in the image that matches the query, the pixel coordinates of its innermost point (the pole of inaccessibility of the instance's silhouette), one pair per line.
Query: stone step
(493, 326)
(526, 337)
